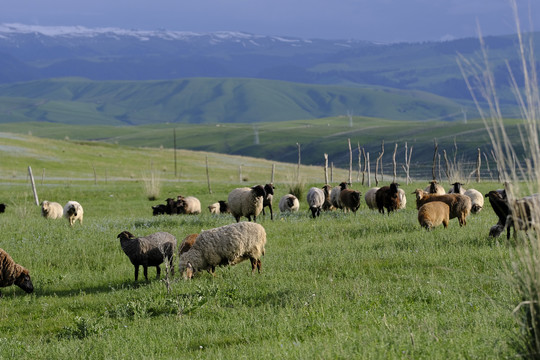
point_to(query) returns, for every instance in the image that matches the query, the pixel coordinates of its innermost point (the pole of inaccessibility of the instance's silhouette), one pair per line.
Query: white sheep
(188, 205)
(289, 203)
(246, 202)
(226, 245)
(315, 200)
(51, 210)
(221, 207)
(73, 211)
(433, 214)
(370, 198)
(477, 200)
(402, 199)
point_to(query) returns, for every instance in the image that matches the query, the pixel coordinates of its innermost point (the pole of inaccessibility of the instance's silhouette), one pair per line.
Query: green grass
(340, 286)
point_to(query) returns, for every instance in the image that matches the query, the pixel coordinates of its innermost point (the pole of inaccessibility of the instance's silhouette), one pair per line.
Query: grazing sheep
(435, 188)
(457, 188)
(267, 201)
(460, 205)
(51, 210)
(433, 214)
(2, 208)
(221, 207)
(499, 204)
(226, 245)
(159, 209)
(371, 199)
(350, 200)
(387, 197)
(73, 211)
(187, 243)
(519, 215)
(150, 250)
(327, 205)
(289, 203)
(496, 230)
(246, 202)
(188, 205)
(315, 200)
(12, 273)
(334, 195)
(477, 200)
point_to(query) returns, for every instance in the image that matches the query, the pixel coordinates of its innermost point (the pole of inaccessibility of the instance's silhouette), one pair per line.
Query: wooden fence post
(33, 185)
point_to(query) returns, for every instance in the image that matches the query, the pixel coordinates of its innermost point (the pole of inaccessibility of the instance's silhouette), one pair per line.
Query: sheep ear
(188, 273)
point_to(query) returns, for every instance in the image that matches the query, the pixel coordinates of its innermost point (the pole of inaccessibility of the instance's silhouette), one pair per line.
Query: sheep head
(188, 272)
(125, 235)
(24, 282)
(258, 190)
(343, 185)
(269, 189)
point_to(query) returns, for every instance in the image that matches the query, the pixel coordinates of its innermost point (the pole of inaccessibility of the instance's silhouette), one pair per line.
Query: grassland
(340, 286)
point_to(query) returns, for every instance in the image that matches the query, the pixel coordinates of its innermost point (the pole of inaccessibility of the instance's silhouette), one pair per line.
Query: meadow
(361, 285)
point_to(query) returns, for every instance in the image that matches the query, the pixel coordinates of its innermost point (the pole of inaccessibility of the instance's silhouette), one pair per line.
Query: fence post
(33, 185)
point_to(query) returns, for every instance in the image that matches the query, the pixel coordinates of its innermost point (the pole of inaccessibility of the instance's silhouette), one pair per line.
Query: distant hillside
(203, 100)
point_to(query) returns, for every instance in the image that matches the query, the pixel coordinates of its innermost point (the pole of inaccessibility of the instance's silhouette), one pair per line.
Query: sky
(385, 21)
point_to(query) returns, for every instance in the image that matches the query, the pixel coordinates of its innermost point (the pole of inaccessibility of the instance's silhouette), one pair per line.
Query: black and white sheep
(221, 207)
(457, 188)
(350, 200)
(435, 188)
(289, 203)
(12, 273)
(388, 197)
(335, 195)
(477, 200)
(519, 214)
(433, 214)
(226, 245)
(315, 200)
(371, 199)
(150, 250)
(267, 201)
(188, 205)
(51, 210)
(246, 202)
(73, 211)
(460, 205)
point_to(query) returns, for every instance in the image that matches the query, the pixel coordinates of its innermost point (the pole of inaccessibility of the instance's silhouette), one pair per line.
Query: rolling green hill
(208, 101)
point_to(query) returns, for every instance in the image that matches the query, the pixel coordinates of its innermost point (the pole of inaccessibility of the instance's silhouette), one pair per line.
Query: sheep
(13, 273)
(51, 210)
(334, 195)
(289, 203)
(517, 214)
(246, 202)
(460, 205)
(226, 245)
(477, 200)
(187, 243)
(73, 211)
(435, 188)
(315, 200)
(150, 250)
(457, 188)
(387, 197)
(188, 205)
(402, 199)
(433, 214)
(171, 206)
(499, 204)
(221, 207)
(159, 209)
(327, 205)
(370, 198)
(267, 201)
(350, 200)
(3, 208)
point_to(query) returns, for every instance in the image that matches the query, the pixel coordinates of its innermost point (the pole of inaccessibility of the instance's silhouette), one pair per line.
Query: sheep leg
(237, 218)
(158, 272)
(145, 269)
(271, 212)
(259, 265)
(253, 264)
(445, 223)
(136, 272)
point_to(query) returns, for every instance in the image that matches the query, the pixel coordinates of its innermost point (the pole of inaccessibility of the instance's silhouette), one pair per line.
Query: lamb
(327, 205)
(226, 245)
(370, 198)
(159, 209)
(334, 195)
(221, 207)
(350, 200)
(460, 205)
(267, 201)
(387, 197)
(433, 214)
(150, 250)
(289, 203)
(12, 273)
(246, 202)
(477, 200)
(188, 205)
(187, 243)
(51, 210)
(315, 200)
(73, 211)
(457, 188)
(435, 188)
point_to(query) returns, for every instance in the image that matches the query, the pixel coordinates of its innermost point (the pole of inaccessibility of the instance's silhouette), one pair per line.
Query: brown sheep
(350, 200)
(433, 214)
(327, 205)
(12, 273)
(187, 243)
(460, 205)
(387, 197)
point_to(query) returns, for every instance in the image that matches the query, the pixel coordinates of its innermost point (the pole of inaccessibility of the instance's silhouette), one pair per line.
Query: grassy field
(340, 286)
